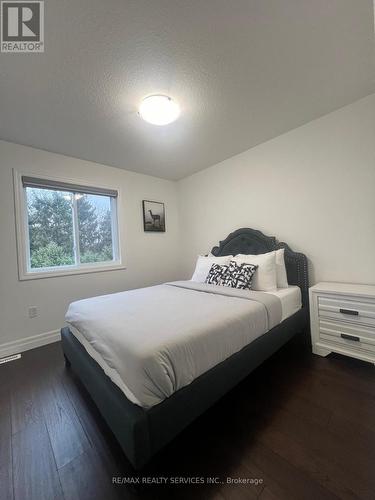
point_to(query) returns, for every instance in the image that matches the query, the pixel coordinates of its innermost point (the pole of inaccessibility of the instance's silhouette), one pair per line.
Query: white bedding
(151, 358)
(291, 300)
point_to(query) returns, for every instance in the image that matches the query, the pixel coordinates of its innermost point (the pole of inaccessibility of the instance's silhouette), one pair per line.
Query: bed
(147, 404)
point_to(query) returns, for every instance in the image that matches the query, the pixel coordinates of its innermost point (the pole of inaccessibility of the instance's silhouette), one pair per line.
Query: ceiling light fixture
(159, 110)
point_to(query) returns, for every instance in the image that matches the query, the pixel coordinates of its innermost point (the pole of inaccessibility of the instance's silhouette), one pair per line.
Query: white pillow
(265, 277)
(281, 276)
(203, 266)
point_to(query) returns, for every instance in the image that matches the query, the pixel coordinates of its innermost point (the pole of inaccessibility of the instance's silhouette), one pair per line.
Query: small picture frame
(153, 216)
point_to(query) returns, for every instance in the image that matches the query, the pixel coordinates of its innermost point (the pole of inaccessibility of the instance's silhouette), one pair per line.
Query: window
(67, 228)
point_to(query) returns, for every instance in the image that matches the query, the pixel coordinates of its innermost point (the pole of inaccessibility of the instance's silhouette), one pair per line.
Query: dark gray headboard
(252, 241)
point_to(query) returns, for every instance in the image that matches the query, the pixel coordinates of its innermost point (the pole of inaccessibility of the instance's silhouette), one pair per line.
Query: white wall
(313, 187)
(150, 257)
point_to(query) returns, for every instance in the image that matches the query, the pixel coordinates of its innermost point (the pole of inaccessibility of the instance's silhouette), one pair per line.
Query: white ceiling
(243, 71)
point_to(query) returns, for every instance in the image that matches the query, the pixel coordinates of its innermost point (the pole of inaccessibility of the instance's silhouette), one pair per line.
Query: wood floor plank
(24, 408)
(268, 482)
(334, 395)
(239, 489)
(85, 479)
(325, 472)
(324, 454)
(5, 426)
(291, 401)
(273, 487)
(349, 370)
(186, 493)
(67, 436)
(298, 484)
(267, 494)
(6, 473)
(6, 483)
(34, 468)
(359, 436)
(97, 431)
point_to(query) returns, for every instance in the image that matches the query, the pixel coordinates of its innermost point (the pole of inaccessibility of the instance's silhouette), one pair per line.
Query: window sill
(99, 268)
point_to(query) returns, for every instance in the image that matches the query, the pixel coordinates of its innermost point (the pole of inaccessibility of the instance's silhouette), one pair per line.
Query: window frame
(22, 232)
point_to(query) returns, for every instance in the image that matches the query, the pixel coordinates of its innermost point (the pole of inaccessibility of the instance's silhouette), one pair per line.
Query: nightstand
(342, 319)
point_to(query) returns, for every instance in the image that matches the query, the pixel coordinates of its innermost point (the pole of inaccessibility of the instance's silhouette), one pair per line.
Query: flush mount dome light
(159, 110)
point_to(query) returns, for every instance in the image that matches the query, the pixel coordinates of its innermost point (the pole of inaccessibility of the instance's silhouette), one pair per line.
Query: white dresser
(342, 319)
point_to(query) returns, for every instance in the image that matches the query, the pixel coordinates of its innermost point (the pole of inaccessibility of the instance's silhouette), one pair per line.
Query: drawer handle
(350, 337)
(349, 311)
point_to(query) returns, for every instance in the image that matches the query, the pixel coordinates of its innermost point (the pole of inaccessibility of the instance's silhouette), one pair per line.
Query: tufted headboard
(252, 241)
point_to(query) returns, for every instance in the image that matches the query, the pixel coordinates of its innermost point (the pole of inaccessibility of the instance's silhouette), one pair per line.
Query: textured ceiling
(243, 71)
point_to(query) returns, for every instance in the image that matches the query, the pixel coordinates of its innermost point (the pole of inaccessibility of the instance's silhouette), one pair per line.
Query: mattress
(290, 298)
(149, 356)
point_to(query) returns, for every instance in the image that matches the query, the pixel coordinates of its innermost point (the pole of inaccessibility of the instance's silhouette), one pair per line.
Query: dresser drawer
(342, 317)
(356, 337)
(346, 309)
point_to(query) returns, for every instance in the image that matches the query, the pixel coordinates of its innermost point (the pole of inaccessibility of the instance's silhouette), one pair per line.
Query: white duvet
(157, 340)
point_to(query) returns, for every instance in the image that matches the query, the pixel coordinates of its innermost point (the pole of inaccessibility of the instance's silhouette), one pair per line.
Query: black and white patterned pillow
(216, 274)
(239, 275)
(235, 275)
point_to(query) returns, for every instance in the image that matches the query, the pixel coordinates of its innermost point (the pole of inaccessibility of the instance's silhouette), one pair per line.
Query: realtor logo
(22, 26)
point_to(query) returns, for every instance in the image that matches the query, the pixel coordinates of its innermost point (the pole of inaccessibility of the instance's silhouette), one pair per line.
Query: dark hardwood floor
(301, 425)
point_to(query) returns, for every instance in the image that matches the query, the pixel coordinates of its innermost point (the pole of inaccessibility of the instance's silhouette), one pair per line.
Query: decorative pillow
(204, 264)
(281, 276)
(235, 275)
(239, 276)
(265, 278)
(216, 274)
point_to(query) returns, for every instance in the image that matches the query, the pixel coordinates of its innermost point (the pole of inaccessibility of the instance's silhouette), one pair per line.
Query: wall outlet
(33, 312)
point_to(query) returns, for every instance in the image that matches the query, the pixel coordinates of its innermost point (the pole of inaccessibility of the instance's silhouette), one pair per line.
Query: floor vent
(10, 358)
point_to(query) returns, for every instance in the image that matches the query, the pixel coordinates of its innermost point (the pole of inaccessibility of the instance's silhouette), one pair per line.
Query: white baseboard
(27, 343)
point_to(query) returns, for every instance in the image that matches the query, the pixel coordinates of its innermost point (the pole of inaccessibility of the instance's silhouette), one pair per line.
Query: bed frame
(142, 432)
